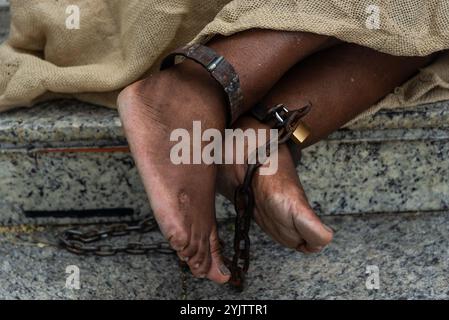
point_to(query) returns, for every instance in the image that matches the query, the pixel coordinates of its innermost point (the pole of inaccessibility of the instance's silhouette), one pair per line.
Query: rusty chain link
(286, 122)
(79, 242)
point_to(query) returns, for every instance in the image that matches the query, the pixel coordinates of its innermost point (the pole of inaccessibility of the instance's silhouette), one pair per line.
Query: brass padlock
(301, 133)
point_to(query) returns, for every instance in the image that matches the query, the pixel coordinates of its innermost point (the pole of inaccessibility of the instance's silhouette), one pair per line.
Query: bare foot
(281, 206)
(182, 196)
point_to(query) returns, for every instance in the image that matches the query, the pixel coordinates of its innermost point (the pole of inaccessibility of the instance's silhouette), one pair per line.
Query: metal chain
(286, 122)
(79, 242)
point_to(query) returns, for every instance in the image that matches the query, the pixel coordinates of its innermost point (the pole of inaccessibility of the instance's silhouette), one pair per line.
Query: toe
(191, 250)
(178, 239)
(218, 272)
(200, 263)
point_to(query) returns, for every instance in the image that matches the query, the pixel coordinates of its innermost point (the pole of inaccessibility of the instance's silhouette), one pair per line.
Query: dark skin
(272, 66)
(340, 82)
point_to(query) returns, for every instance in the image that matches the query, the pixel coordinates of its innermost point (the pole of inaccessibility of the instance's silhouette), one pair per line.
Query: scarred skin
(182, 196)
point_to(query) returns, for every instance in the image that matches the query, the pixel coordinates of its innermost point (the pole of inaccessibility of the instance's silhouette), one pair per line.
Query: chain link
(286, 122)
(79, 242)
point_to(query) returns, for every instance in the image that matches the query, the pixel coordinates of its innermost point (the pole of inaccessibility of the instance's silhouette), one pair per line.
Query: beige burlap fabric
(121, 40)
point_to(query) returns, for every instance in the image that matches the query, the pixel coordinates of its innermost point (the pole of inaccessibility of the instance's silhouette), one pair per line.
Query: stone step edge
(341, 137)
(80, 125)
(221, 221)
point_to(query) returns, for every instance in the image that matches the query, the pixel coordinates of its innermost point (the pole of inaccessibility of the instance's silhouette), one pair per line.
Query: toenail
(202, 276)
(328, 228)
(224, 270)
(185, 259)
(196, 266)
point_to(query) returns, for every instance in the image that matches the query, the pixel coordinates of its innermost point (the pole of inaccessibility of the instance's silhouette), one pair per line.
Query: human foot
(281, 206)
(182, 196)
(152, 108)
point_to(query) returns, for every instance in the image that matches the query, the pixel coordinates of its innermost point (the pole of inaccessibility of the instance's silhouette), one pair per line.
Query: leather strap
(220, 69)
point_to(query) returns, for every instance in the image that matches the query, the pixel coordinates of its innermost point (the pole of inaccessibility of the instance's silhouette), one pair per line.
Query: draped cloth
(121, 41)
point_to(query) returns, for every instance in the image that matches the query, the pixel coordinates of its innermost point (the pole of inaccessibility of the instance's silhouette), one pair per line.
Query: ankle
(210, 97)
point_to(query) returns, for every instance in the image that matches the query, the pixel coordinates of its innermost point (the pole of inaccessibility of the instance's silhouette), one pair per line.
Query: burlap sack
(121, 40)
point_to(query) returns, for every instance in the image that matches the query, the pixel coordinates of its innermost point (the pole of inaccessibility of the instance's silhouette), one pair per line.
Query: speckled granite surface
(389, 176)
(68, 121)
(32, 182)
(60, 123)
(30, 272)
(389, 169)
(410, 250)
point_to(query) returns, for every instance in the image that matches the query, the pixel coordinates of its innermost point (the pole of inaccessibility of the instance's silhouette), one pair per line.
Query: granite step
(409, 251)
(54, 164)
